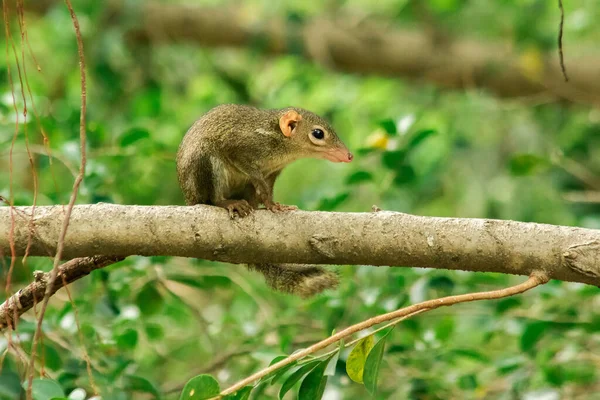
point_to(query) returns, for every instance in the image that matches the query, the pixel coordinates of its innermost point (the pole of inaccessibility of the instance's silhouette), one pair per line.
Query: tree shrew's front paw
(239, 207)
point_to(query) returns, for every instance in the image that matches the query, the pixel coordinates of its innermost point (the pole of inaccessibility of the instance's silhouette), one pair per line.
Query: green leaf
(242, 394)
(202, 282)
(134, 383)
(200, 387)
(468, 382)
(331, 203)
(526, 164)
(330, 371)
(296, 376)
(532, 334)
(52, 358)
(359, 177)
(149, 299)
(282, 371)
(444, 328)
(389, 125)
(355, 363)
(509, 365)
(393, 159)
(405, 174)
(509, 303)
(154, 331)
(442, 283)
(472, 354)
(419, 137)
(313, 385)
(133, 135)
(373, 363)
(127, 340)
(10, 384)
(268, 377)
(45, 389)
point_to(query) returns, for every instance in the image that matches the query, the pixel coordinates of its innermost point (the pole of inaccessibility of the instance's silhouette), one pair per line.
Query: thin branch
(388, 325)
(560, 39)
(534, 280)
(22, 301)
(586, 196)
(74, 193)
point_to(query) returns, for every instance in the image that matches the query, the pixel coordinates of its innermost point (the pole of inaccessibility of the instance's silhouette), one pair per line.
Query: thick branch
(370, 48)
(380, 238)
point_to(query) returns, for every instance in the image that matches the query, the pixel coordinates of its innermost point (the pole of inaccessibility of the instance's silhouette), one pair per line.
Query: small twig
(560, 38)
(352, 342)
(536, 279)
(60, 246)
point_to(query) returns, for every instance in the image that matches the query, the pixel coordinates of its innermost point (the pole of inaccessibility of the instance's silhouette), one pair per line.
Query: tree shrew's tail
(303, 280)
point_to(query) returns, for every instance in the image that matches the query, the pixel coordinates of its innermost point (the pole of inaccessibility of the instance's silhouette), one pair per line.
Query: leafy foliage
(151, 324)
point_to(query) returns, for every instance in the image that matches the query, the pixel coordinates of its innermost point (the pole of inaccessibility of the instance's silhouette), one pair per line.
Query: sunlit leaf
(355, 363)
(45, 389)
(200, 387)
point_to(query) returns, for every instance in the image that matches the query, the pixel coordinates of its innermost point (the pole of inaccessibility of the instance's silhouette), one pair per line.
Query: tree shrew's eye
(318, 134)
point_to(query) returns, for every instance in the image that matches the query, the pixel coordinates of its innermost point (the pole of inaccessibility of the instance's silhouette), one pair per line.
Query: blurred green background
(150, 324)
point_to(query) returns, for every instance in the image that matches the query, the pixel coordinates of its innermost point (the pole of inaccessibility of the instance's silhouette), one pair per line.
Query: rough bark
(379, 238)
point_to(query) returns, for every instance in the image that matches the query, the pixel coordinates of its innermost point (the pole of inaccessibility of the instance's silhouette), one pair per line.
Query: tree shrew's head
(313, 136)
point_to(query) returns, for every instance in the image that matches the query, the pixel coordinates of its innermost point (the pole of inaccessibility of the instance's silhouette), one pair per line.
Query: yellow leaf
(531, 64)
(378, 140)
(355, 364)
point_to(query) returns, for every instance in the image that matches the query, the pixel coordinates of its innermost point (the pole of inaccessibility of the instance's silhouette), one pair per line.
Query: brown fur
(231, 158)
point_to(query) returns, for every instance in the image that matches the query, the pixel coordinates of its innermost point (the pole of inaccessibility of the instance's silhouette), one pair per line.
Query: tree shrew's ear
(288, 122)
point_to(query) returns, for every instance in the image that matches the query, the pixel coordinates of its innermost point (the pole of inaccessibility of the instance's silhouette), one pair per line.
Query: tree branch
(22, 301)
(369, 48)
(534, 280)
(380, 238)
(366, 48)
